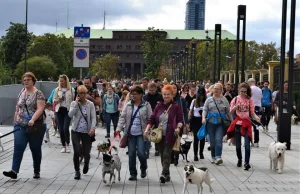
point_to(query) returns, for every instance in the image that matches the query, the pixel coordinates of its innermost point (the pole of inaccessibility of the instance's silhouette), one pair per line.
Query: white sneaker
(63, 150)
(57, 135)
(219, 161)
(213, 161)
(256, 145)
(68, 150)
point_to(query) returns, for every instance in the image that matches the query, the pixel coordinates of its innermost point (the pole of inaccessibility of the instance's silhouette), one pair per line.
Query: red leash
(113, 142)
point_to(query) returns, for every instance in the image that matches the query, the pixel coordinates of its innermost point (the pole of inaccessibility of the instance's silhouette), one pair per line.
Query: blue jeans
(239, 145)
(114, 117)
(147, 148)
(215, 132)
(21, 139)
(136, 145)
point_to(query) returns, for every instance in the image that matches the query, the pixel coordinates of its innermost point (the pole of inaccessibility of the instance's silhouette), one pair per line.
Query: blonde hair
(220, 85)
(82, 88)
(67, 81)
(211, 89)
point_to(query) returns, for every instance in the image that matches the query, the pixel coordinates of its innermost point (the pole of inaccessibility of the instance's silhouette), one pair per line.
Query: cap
(251, 80)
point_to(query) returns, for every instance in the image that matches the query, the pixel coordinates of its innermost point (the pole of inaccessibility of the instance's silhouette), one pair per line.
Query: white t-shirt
(49, 117)
(196, 109)
(136, 128)
(64, 103)
(256, 95)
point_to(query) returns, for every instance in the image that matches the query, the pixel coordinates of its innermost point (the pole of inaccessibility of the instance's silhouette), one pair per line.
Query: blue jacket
(50, 99)
(267, 97)
(116, 102)
(182, 102)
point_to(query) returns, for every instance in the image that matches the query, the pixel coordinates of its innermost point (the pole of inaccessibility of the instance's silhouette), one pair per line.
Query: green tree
(13, 44)
(42, 67)
(105, 67)
(58, 48)
(155, 50)
(267, 53)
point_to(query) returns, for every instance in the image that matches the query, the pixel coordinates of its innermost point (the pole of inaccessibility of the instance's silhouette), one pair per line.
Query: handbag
(156, 133)
(225, 122)
(202, 132)
(176, 146)
(124, 140)
(93, 136)
(36, 128)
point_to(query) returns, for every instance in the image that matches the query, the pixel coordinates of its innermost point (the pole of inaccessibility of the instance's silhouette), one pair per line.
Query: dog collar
(190, 180)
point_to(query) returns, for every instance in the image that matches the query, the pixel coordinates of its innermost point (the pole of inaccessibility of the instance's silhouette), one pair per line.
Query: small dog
(110, 164)
(104, 147)
(294, 120)
(276, 155)
(196, 176)
(185, 146)
(1, 144)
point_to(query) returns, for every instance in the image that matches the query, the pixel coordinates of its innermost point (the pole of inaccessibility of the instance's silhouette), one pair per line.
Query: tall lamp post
(177, 66)
(186, 75)
(26, 38)
(173, 67)
(181, 65)
(194, 60)
(218, 32)
(206, 53)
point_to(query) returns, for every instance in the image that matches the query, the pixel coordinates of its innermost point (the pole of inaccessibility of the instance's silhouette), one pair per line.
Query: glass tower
(195, 15)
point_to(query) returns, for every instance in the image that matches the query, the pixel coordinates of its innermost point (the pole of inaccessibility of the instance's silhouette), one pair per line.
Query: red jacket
(246, 124)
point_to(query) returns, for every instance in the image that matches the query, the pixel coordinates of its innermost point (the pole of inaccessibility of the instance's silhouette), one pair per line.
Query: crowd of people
(134, 108)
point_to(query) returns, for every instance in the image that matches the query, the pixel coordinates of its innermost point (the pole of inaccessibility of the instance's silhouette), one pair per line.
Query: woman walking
(170, 115)
(215, 109)
(83, 128)
(243, 107)
(195, 115)
(30, 107)
(63, 96)
(134, 117)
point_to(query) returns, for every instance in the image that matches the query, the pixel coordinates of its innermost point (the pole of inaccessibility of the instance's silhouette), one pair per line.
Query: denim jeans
(136, 145)
(215, 132)
(21, 139)
(239, 145)
(147, 148)
(78, 150)
(64, 125)
(114, 117)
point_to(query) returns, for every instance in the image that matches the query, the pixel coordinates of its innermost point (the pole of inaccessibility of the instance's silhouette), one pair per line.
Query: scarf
(109, 98)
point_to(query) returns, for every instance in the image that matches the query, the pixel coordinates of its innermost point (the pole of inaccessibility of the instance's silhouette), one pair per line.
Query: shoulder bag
(36, 128)
(156, 133)
(224, 121)
(124, 140)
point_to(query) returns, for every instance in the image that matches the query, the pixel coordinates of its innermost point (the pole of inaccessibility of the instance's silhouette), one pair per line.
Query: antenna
(68, 15)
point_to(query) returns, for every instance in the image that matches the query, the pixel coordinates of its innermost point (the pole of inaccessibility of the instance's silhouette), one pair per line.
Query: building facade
(126, 45)
(195, 15)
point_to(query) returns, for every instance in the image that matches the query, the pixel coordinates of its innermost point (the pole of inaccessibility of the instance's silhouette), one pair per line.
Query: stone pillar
(247, 73)
(272, 64)
(225, 76)
(240, 76)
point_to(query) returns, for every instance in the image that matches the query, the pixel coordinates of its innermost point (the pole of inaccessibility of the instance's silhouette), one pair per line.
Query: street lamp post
(187, 63)
(218, 32)
(194, 60)
(181, 65)
(26, 38)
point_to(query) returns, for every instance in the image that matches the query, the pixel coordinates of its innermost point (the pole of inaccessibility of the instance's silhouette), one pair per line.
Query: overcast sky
(263, 16)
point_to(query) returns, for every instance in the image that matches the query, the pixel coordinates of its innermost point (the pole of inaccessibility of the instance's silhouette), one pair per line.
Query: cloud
(263, 16)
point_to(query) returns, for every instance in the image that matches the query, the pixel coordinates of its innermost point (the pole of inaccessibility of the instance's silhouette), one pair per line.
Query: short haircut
(82, 88)
(168, 87)
(193, 86)
(48, 104)
(156, 80)
(89, 78)
(31, 75)
(145, 79)
(79, 82)
(137, 89)
(152, 85)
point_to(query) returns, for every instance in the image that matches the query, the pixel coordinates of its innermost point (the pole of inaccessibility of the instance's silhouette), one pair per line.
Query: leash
(9, 133)
(5, 119)
(113, 142)
(263, 131)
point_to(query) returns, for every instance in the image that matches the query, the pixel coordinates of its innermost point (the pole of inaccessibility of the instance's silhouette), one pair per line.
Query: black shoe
(132, 178)
(85, 168)
(239, 164)
(201, 156)
(247, 166)
(168, 178)
(175, 162)
(156, 153)
(77, 175)
(36, 175)
(107, 136)
(143, 174)
(196, 158)
(11, 174)
(208, 148)
(162, 179)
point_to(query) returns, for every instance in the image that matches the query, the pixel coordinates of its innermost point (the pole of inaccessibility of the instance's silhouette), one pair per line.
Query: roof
(171, 34)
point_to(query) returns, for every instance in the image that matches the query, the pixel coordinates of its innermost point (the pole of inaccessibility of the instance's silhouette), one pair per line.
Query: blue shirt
(266, 97)
(110, 108)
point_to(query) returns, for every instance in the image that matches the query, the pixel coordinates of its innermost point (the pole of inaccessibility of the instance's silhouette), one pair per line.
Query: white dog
(276, 155)
(196, 176)
(1, 143)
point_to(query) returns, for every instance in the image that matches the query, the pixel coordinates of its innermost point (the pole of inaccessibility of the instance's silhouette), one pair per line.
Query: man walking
(266, 104)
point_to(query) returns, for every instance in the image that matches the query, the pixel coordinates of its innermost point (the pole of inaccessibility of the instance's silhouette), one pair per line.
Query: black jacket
(153, 99)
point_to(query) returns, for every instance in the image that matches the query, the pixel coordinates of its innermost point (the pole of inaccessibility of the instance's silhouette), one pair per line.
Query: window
(137, 47)
(108, 47)
(137, 56)
(119, 47)
(127, 55)
(120, 37)
(128, 47)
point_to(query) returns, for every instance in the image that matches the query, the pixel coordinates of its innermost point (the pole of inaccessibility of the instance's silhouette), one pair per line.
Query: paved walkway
(57, 172)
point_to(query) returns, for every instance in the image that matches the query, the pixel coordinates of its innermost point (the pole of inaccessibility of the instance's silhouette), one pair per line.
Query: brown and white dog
(196, 176)
(294, 120)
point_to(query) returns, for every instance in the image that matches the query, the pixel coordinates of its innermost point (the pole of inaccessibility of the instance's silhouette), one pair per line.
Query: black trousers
(195, 124)
(85, 139)
(266, 115)
(258, 112)
(64, 124)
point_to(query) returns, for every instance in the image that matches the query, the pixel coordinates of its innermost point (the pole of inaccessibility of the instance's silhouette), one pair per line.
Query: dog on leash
(196, 176)
(103, 148)
(294, 120)
(111, 162)
(276, 155)
(1, 143)
(185, 146)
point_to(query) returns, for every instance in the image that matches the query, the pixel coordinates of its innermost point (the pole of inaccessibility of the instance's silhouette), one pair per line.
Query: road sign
(82, 32)
(81, 42)
(81, 57)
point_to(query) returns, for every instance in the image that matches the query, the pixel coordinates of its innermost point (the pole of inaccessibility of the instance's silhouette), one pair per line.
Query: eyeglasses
(26, 80)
